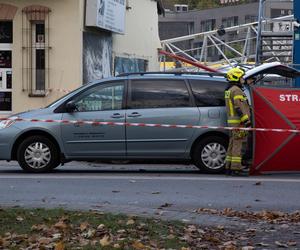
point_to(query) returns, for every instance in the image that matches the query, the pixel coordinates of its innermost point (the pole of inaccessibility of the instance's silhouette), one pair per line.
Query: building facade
(231, 13)
(50, 47)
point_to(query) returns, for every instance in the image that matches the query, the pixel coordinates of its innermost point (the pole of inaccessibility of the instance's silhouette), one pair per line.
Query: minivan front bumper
(7, 138)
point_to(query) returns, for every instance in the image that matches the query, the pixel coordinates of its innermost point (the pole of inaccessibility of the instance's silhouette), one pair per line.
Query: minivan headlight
(7, 123)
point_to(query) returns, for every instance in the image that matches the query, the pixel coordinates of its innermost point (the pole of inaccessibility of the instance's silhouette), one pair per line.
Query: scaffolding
(275, 44)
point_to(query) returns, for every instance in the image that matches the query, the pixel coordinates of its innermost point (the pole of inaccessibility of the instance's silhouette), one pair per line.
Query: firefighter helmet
(235, 74)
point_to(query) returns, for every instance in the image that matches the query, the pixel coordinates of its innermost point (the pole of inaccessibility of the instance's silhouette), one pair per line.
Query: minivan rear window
(208, 93)
(158, 94)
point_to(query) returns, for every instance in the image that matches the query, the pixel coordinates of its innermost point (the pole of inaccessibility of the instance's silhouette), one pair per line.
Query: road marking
(146, 178)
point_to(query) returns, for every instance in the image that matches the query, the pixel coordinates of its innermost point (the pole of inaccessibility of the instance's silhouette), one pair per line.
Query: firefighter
(238, 115)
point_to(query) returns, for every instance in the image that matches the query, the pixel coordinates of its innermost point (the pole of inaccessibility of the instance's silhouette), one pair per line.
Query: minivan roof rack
(211, 74)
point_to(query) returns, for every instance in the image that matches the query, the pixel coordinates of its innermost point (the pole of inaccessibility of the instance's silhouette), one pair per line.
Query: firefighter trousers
(237, 143)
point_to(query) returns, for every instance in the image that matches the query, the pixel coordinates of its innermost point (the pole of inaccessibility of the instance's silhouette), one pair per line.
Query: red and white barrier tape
(96, 123)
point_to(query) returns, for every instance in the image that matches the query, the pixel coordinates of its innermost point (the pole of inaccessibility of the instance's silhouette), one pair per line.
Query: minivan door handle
(117, 115)
(134, 114)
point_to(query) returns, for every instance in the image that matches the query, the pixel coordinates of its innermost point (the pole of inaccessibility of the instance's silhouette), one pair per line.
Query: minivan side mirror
(70, 106)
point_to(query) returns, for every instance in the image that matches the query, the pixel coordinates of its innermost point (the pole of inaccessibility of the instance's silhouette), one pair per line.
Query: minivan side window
(158, 94)
(101, 97)
(208, 93)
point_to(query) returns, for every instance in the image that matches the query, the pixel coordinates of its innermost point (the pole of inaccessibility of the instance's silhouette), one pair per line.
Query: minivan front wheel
(38, 154)
(209, 154)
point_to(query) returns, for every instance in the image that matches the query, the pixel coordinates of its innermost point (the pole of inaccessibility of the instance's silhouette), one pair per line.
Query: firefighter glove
(242, 134)
(247, 124)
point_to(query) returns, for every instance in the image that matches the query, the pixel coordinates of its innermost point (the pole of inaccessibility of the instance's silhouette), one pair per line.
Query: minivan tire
(38, 154)
(208, 150)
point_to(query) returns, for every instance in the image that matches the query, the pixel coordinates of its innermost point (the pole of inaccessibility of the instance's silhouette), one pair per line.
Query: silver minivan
(40, 140)
(149, 98)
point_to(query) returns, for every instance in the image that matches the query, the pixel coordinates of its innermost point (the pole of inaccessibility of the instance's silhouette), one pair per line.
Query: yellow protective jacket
(237, 107)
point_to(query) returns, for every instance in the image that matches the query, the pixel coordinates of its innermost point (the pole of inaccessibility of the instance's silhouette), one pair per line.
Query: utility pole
(296, 47)
(258, 39)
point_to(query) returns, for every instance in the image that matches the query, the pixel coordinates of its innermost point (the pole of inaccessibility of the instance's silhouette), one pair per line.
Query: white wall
(65, 67)
(141, 39)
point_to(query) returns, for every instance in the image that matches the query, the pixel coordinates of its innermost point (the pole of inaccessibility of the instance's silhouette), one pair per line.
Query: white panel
(106, 14)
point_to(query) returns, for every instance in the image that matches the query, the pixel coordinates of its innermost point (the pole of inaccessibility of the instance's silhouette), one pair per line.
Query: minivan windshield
(64, 97)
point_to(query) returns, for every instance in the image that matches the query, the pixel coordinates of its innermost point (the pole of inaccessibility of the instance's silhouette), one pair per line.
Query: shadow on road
(106, 168)
(111, 171)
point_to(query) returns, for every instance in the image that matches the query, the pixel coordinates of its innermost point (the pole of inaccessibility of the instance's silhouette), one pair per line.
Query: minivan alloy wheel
(209, 154)
(37, 155)
(213, 155)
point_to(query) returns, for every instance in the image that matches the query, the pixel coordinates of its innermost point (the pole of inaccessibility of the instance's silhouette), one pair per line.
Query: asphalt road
(165, 190)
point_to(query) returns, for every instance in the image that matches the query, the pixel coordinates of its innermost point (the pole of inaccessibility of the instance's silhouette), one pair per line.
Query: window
(38, 56)
(127, 65)
(6, 32)
(280, 12)
(184, 8)
(208, 93)
(158, 94)
(230, 21)
(109, 97)
(5, 59)
(35, 43)
(251, 18)
(5, 101)
(208, 25)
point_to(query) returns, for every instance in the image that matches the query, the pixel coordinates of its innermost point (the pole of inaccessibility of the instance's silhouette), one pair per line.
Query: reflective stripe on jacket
(237, 106)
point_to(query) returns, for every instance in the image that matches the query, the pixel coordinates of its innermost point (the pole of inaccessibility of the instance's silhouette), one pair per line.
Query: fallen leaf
(279, 244)
(138, 245)
(130, 222)
(60, 246)
(56, 236)
(247, 248)
(121, 231)
(105, 241)
(45, 241)
(229, 243)
(261, 244)
(40, 227)
(292, 243)
(170, 237)
(100, 227)
(84, 226)
(89, 234)
(19, 218)
(84, 242)
(61, 225)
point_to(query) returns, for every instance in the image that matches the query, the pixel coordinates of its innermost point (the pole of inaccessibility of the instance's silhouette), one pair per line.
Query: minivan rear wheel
(209, 154)
(38, 154)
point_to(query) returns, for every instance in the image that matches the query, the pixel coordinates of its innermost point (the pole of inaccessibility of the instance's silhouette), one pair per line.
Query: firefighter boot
(228, 172)
(242, 172)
